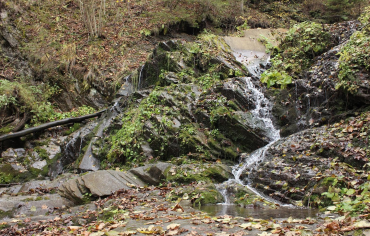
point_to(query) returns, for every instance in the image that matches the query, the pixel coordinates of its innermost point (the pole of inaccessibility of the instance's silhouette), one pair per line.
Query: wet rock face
(313, 100)
(184, 114)
(296, 165)
(181, 120)
(71, 148)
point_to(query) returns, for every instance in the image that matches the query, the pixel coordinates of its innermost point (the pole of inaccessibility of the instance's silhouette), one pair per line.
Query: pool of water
(258, 213)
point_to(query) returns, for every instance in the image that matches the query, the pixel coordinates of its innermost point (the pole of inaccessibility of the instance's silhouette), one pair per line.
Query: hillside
(260, 105)
(56, 57)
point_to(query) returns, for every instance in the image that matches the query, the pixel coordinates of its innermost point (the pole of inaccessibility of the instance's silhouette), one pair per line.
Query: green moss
(355, 57)
(42, 153)
(4, 226)
(210, 196)
(181, 178)
(202, 194)
(244, 198)
(4, 214)
(233, 105)
(217, 174)
(230, 153)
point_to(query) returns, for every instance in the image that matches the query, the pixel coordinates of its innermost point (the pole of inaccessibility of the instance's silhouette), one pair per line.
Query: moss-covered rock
(189, 173)
(198, 194)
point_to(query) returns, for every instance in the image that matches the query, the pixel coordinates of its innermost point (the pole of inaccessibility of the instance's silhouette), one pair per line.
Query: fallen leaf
(331, 208)
(173, 226)
(362, 224)
(128, 233)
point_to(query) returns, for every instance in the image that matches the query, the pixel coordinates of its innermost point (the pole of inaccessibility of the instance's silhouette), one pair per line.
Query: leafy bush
(346, 199)
(355, 56)
(301, 45)
(34, 100)
(275, 77)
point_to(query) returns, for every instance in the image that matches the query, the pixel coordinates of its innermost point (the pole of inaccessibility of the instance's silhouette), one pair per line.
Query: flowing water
(255, 61)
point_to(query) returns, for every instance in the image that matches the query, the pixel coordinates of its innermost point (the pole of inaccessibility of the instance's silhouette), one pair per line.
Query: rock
(9, 155)
(52, 150)
(30, 205)
(99, 184)
(39, 164)
(18, 167)
(12, 155)
(188, 173)
(152, 173)
(293, 167)
(20, 152)
(8, 36)
(72, 148)
(90, 159)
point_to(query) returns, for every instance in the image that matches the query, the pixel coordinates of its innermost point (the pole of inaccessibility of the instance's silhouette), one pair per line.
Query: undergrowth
(33, 100)
(295, 54)
(355, 56)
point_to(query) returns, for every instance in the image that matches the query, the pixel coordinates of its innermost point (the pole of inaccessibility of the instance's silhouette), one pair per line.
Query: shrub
(355, 56)
(301, 45)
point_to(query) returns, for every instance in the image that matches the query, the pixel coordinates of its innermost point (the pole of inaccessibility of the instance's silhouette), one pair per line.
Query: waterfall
(140, 76)
(262, 112)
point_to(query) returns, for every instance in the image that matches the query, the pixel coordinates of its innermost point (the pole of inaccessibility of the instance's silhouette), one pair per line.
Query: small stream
(255, 61)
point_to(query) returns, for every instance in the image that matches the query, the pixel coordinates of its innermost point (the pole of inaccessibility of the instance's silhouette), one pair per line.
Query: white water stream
(262, 112)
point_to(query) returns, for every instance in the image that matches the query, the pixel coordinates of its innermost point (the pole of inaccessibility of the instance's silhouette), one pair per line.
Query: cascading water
(261, 113)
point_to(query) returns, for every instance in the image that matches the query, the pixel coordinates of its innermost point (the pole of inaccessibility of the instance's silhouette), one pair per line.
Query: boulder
(151, 173)
(31, 205)
(98, 184)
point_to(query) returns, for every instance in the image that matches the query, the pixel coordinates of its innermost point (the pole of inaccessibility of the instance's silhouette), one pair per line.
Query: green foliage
(275, 77)
(145, 32)
(5, 178)
(126, 143)
(338, 9)
(87, 197)
(207, 80)
(34, 100)
(352, 200)
(301, 45)
(355, 56)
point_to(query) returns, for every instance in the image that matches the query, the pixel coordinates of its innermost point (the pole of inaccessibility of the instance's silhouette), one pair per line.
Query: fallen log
(49, 125)
(8, 185)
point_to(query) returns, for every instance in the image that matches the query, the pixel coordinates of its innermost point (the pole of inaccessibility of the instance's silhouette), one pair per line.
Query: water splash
(261, 113)
(140, 76)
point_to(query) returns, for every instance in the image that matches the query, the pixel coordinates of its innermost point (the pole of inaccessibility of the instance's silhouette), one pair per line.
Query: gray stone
(39, 164)
(20, 152)
(99, 184)
(3, 14)
(147, 150)
(52, 150)
(8, 155)
(18, 167)
(29, 205)
(9, 38)
(152, 173)
(71, 148)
